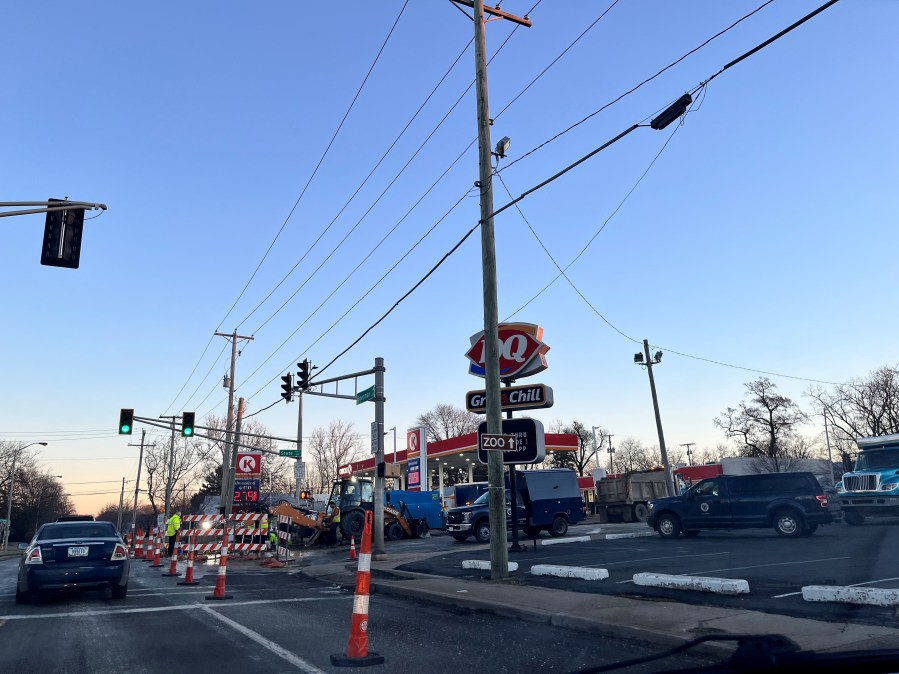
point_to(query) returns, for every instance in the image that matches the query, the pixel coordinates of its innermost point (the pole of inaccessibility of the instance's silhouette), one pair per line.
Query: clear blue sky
(763, 235)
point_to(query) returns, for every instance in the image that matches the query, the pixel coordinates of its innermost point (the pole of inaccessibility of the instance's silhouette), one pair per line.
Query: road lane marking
(291, 657)
(152, 609)
(761, 566)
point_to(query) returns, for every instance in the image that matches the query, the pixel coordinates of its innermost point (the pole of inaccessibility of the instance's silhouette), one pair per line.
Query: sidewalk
(664, 623)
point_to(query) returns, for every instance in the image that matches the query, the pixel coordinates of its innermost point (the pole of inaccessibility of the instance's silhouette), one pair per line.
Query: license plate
(80, 551)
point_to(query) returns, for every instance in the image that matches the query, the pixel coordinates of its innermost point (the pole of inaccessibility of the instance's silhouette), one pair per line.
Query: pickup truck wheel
(788, 522)
(810, 529)
(559, 527)
(460, 538)
(668, 526)
(853, 519)
(641, 512)
(482, 532)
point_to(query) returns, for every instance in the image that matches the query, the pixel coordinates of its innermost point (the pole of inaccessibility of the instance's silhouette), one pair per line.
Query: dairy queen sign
(522, 352)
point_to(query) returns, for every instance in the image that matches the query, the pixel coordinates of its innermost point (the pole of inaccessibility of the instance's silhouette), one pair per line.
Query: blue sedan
(66, 555)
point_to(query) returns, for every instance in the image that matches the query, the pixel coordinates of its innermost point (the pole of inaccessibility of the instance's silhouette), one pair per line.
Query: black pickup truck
(793, 503)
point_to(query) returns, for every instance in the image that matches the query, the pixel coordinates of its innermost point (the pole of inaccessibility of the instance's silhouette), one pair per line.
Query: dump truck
(623, 498)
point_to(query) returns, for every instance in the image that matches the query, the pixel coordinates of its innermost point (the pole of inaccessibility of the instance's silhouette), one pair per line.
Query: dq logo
(521, 351)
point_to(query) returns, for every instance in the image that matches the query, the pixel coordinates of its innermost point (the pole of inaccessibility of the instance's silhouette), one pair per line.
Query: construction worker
(171, 530)
(333, 514)
(264, 526)
(272, 539)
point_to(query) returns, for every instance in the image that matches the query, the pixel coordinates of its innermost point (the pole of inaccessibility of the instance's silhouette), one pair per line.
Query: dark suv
(793, 503)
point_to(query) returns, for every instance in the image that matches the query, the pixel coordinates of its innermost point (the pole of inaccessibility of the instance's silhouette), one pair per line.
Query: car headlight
(650, 505)
(466, 516)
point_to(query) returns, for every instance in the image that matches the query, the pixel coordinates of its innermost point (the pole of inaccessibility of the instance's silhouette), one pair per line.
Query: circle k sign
(249, 463)
(521, 351)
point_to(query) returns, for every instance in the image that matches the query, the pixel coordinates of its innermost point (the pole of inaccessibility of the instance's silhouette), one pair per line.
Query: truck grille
(866, 482)
(454, 518)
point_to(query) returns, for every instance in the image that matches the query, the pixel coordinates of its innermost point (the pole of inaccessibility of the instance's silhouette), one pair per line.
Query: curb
(570, 539)
(870, 596)
(701, 583)
(633, 534)
(582, 572)
(484, 565)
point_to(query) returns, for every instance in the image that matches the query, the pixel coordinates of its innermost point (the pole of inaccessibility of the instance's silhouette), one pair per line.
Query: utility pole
(378, 515)
(168, 478)
(689, 446)
(226, 469)
(140, 461)
(121, 505)
(499, 555)
(833, 479)
(299, 437)
(234, 446)
(649, 362)
(611, 451)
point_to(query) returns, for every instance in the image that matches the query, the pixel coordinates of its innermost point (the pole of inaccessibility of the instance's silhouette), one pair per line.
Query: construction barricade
(207, 532)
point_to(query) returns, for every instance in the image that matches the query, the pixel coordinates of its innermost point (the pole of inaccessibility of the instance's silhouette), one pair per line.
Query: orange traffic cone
(357, 653)
(173, 565)
(352, 548)
(189, 574)
(219, 592)
(138, 551)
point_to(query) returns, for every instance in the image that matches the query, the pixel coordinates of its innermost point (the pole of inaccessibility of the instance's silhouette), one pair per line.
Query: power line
(635, 88)
(383, 193)
(299, 198)
(562, 273)
(359, 188)
(196, 365)
(320, 161)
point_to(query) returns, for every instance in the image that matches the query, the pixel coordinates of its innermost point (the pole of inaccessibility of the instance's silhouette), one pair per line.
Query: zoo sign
(522, 352)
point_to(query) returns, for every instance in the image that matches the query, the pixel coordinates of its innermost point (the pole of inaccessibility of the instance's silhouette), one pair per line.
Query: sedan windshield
(77, 530)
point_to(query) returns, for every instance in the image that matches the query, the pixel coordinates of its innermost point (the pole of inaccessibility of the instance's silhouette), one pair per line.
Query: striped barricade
(207, 532)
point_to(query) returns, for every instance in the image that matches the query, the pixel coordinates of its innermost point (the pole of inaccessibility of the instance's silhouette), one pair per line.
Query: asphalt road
(278, 621)
(776, 568)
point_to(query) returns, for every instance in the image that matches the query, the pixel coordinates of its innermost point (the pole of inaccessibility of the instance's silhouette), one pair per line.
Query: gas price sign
(246, 492)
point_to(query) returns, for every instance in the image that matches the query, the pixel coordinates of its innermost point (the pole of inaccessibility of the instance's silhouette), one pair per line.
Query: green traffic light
(188, 431)
(125, 428)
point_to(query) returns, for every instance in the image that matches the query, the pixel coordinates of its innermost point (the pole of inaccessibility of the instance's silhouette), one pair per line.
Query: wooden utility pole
(499, 555)
(228, 450)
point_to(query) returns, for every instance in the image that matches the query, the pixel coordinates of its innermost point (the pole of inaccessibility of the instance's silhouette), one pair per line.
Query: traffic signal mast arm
(47, 207)
(335, 380)
(168, 427)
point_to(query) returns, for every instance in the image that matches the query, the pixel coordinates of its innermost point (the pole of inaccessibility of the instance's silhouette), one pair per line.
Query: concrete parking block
(872, 596)
(484, 565)
(570, 539)
(701, 583)
(632, 534)
(582, 572)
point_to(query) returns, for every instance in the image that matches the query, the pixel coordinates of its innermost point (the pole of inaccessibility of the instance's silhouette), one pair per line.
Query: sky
(760, 235)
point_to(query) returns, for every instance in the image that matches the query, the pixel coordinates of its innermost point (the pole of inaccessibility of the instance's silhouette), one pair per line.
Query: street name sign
(292, 453)
(366, 395)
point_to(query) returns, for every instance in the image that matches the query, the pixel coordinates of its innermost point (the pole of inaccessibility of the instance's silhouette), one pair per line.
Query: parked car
(78, 554)
(75, 518)
(793, 503)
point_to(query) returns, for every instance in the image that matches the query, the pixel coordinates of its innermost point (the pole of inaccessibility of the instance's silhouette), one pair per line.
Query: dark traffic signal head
(287, 387)
(62, 236)
(304, 373)
(126, 422)
(187, 424)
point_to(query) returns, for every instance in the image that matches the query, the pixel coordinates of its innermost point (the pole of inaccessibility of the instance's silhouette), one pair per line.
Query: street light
(656, 359)
(12, 480)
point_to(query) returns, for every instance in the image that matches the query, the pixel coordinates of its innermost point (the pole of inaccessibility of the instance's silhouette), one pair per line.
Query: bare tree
(862, 407)
(447, 421)
(585, 457)
(630, 455)
(765, 423)
(328, 449)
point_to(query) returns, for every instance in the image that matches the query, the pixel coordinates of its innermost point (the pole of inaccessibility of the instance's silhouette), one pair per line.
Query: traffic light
(62, 236)
(305, 495)
(187, 424)
(304, 373)
(126, 421)
(287, 387)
